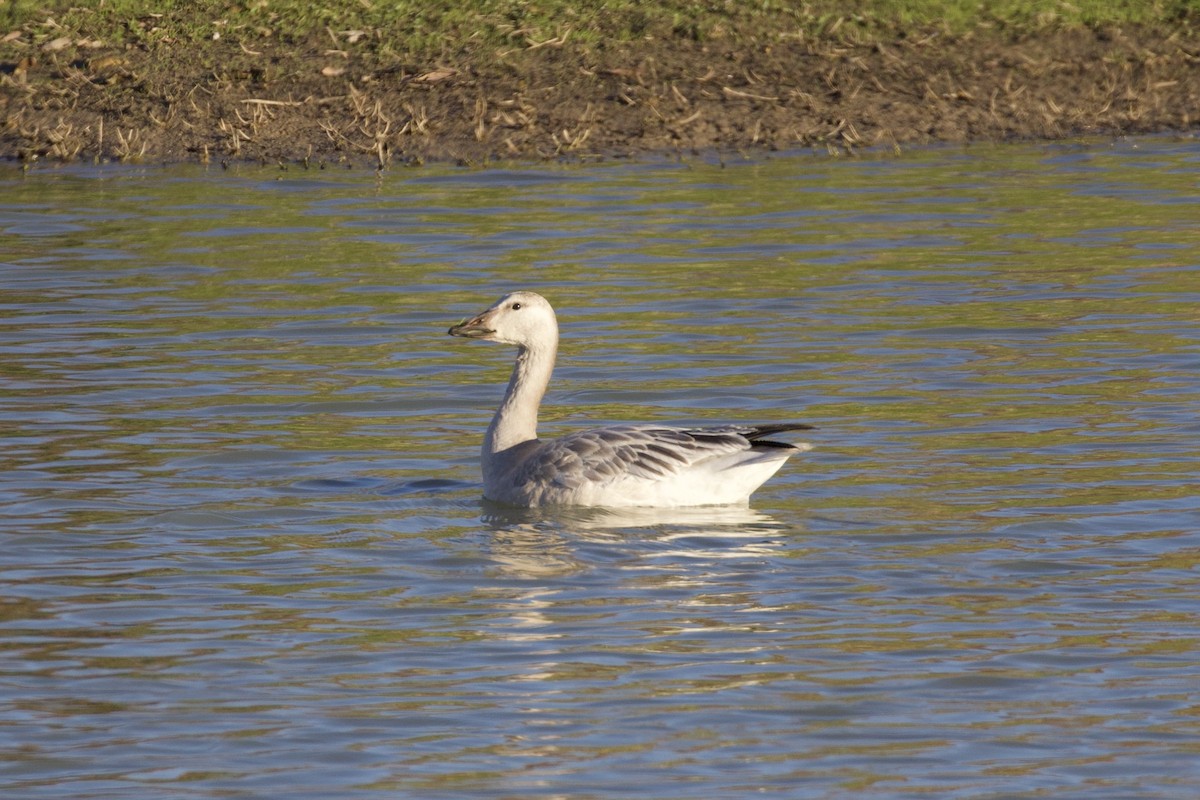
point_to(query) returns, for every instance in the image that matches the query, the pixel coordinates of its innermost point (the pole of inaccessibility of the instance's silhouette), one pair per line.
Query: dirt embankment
(315, 103)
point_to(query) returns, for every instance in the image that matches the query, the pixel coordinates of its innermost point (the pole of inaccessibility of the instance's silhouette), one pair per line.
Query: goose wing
(647, 452)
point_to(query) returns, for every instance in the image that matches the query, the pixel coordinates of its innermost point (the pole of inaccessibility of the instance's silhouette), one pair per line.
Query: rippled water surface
(244, 553)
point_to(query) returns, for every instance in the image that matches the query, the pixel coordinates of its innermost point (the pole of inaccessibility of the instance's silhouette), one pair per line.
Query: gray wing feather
(604, 455)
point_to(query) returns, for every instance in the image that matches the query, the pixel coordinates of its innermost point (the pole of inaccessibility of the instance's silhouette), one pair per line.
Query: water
(244, 554)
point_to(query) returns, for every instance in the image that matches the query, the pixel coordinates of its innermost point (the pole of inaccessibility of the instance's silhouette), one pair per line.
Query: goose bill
(470, 329)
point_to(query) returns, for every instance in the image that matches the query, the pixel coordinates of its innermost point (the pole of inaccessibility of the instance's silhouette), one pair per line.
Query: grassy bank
(420, 27)
(292, 80)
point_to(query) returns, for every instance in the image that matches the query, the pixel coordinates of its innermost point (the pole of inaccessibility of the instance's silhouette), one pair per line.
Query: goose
(632, 465)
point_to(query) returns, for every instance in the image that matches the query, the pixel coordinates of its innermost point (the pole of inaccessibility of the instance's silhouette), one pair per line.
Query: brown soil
(303, 102)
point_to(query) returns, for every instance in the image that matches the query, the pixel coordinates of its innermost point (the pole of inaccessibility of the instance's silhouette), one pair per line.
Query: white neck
(516, 419)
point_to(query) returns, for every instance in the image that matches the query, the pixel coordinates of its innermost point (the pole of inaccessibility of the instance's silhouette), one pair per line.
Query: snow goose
(618, 466)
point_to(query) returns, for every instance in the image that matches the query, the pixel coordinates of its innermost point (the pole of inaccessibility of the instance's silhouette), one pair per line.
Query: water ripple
(245, 553)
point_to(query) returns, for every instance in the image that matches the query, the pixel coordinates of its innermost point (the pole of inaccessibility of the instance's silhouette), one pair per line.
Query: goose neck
(516, 419)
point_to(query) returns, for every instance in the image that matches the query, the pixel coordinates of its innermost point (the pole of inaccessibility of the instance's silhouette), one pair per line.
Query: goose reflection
(547, 542)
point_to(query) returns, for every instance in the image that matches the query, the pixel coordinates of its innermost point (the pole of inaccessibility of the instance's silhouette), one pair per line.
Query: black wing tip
(757, 433)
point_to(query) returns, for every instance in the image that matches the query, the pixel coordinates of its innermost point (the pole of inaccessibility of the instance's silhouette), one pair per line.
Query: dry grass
(551, 87)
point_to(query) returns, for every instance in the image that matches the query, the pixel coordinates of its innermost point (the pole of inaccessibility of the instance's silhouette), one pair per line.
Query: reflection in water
(538, 541)
(242, 551)
(714, 519)
(531, 552)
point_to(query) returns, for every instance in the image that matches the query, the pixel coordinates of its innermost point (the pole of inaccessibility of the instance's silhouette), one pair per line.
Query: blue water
(243, 552)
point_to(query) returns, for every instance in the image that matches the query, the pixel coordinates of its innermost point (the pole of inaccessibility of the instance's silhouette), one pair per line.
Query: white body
(625, 465)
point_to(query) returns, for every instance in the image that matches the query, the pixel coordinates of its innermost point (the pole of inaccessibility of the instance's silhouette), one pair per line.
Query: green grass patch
(424, 27)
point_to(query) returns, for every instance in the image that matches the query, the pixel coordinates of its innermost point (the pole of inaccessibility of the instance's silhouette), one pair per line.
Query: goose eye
(516, 306)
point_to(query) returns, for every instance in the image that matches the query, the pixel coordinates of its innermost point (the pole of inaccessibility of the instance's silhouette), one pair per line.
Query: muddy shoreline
(326, 102)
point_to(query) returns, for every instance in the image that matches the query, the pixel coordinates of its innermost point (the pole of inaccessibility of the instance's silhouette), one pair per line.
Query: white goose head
(524, 319)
